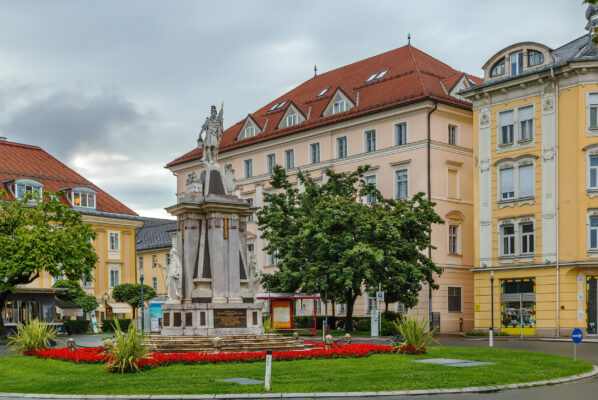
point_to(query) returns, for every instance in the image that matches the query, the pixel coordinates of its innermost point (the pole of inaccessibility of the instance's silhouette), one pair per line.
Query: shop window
(518, 303)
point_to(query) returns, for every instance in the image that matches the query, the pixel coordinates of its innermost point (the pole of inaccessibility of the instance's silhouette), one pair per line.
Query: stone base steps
(226, 344)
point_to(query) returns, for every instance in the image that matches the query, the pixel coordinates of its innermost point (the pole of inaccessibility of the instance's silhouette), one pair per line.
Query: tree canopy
(76, 295)
(131, 293)
(37, 236)
(328, 240)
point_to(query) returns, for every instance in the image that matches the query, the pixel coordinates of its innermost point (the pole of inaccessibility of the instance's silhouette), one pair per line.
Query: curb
(473, 389)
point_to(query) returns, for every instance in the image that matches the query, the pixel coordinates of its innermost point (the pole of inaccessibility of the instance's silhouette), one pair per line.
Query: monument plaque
(230, 318)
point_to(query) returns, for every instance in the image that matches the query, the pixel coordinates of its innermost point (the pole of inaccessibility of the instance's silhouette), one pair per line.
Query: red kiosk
(282, 308)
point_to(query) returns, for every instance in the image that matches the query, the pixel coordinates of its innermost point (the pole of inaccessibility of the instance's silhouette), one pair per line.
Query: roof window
(274, 107)
(376, 76)
(281, 104)
(322, 92)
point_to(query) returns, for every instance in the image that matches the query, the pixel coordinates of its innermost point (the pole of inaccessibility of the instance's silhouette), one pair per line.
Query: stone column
(220, 278)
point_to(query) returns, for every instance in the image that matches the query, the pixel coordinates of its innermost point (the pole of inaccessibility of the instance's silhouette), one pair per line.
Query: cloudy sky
(117, 89)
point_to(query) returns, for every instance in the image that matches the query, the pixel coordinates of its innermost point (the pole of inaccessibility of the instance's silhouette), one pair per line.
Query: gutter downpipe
(430, 199)
(556, 156)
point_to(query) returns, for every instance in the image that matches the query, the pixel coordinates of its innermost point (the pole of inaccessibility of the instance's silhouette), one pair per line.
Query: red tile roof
(412, 76)
(25, 161)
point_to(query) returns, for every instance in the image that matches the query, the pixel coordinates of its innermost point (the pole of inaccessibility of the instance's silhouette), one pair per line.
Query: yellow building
(25, 168)
(154, 241)
(535, 187)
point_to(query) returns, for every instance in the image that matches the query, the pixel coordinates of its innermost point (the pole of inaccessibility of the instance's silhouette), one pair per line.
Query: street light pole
(142, 308)
(491, 336)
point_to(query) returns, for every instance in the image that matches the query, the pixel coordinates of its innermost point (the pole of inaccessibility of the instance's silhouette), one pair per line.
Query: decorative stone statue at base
(173, 277)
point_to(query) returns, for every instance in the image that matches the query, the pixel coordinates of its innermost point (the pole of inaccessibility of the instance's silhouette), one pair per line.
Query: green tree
(327, 240)
(37, 236)
(76, 295)
(131, 293)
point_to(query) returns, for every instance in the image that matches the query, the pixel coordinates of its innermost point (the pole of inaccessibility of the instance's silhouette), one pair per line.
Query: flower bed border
(96, 355)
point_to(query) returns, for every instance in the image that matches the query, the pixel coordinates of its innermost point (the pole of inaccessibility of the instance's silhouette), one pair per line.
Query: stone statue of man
(254, 279)
(174, 271)
(213, 128)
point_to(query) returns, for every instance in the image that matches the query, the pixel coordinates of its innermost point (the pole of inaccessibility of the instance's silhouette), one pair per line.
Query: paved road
(581, 390)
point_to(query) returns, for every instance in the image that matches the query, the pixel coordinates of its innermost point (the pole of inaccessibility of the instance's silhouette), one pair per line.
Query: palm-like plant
(268, 326)
(128, 351)
(415, 332)
(34, 335)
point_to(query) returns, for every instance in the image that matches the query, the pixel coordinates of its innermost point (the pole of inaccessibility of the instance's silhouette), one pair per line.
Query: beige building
(397, 112)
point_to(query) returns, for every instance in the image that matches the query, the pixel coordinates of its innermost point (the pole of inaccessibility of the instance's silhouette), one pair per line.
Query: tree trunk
(350, 299)
(3, 297)
(385, 306)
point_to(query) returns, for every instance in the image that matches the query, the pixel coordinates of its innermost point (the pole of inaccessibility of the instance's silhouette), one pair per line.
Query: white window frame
(155, 283)
(249, 200)
(27, 183)
(82, 193)
(248, 168)
(396, 133)
(338, 147)
(591, 130)
(517, 163)
(501, 235)
(396, 183)
(86, 284)
(110, 246)
(591, 252)
(370, 198)
(457, 239)
(292, 118)
(591, 151)
(448, 303)
(520, 59)
(311, 153)
(520, 224)
(339, 106)
(112, 270)
(290, 165)
(454, 127)
(518, 142)
(366, 142)
(248, 131)
(270, 162)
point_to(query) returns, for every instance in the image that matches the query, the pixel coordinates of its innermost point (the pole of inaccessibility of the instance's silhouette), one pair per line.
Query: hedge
(76, 326)
(108, 325)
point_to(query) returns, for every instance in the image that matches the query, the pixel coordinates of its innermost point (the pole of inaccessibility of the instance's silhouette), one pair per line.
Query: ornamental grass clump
(416, 333)
(34, 335)
(268, 326)
(128, 350)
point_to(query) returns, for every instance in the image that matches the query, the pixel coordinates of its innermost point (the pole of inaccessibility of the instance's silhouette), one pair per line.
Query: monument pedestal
(216, 290)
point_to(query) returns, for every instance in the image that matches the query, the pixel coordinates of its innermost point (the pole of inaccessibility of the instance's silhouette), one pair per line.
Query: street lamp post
(491, 336)
(105, 297)
(142, 308)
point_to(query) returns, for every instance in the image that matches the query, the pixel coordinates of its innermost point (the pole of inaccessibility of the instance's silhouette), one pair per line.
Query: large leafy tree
(326, 239)
(76, 295)
(37, 236)
(131, 293)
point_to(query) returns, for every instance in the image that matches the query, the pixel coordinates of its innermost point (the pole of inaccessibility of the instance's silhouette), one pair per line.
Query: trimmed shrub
(108, 325)
(76, 326)
(363, 325)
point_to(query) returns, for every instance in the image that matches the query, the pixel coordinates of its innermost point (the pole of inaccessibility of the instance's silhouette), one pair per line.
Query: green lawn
(378, 372)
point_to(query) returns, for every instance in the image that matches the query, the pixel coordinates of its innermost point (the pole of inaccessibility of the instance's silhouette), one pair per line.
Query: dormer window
(249, 130)
(516, 63)
(498, 69)
(339, 103)
(339, 106)
(82, 197)
(292, 118)
(534, 58)
(20, 187)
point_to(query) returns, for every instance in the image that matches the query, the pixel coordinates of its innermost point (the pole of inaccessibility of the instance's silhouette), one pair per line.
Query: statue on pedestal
(254, 279)
(174, 272)
(213, 128)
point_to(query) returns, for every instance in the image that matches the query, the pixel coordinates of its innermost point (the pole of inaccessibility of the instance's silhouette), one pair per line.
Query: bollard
(329, 342)
(347, 338)
(268, 370)
(217, 343)
(295, 335)
(70, 344)
(108, 345)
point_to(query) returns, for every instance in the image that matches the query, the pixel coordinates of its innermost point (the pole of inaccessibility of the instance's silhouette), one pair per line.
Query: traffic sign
(380, 296)
(577, 335)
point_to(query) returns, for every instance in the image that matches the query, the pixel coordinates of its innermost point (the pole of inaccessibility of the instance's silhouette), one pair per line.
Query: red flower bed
(96, 355)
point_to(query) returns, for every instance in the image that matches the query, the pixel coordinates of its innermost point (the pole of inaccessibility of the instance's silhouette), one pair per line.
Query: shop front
(27, 304)
(592, 304)
(518, 306)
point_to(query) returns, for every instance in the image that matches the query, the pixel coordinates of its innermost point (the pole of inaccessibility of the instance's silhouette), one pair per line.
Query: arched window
(498, 69)
(534, 58)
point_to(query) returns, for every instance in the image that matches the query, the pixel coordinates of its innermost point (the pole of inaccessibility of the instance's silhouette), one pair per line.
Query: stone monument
(211, 281)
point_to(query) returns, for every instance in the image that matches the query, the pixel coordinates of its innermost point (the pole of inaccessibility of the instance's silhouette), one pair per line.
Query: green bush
(34, 335)
(76, 326)
(415, 333)
(387, 328)
(479, 332)
(363, 325)
(108, 325)
(128, 350)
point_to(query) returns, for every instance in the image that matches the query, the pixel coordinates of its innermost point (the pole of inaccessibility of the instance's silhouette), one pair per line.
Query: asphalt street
(579, 390)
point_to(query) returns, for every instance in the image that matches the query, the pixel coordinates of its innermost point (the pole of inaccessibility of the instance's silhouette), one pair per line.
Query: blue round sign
(577, 335)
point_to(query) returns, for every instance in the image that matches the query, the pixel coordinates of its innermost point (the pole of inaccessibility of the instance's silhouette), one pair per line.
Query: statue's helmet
(213, 111)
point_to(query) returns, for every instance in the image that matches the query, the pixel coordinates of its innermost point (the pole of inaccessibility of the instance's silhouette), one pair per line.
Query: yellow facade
(154, 276)
(560, 208)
